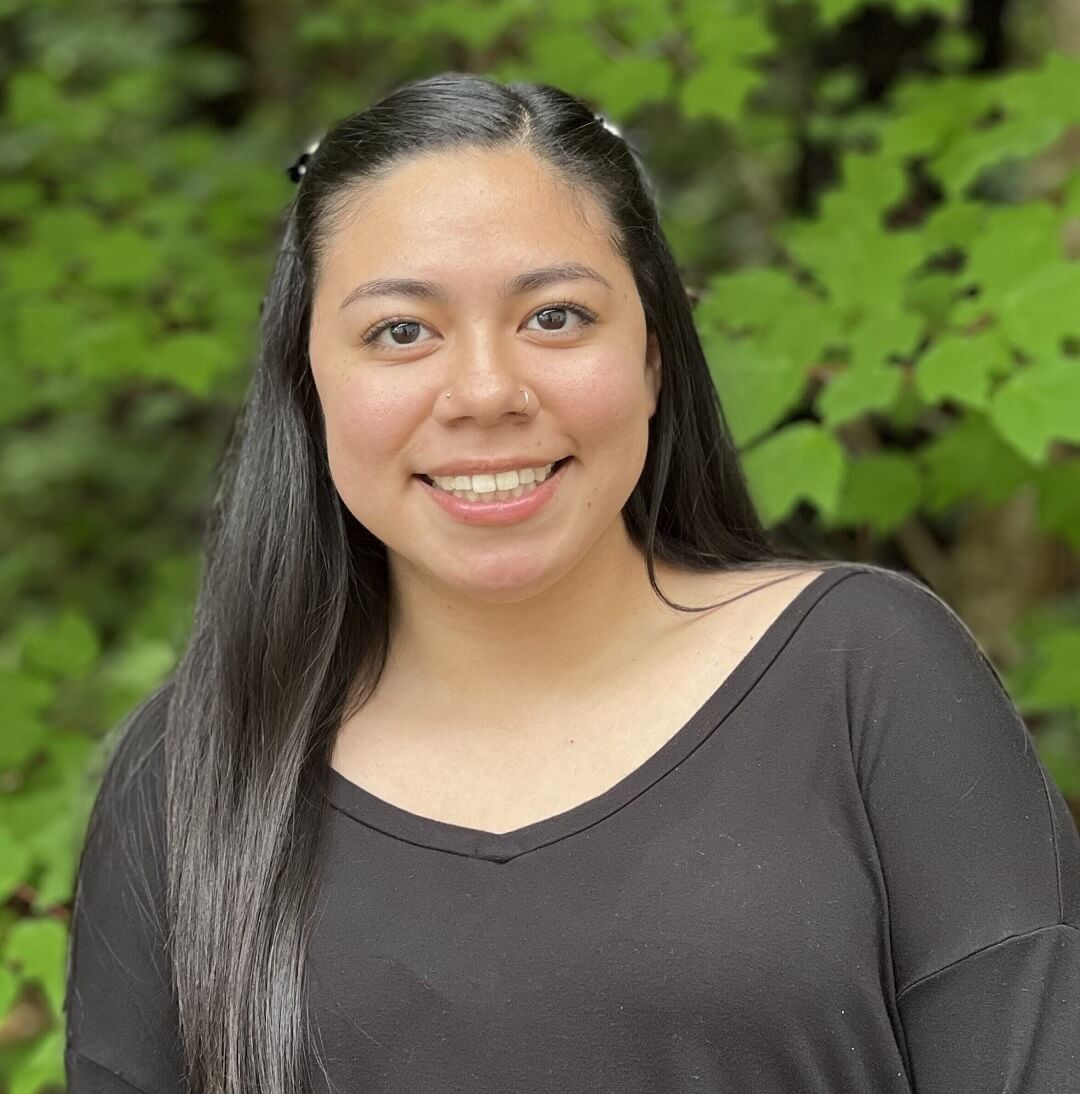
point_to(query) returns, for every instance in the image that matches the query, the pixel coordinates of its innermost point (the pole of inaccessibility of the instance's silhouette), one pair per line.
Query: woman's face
(468, 223)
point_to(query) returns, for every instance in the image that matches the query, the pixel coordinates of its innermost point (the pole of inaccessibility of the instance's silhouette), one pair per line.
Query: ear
(653, 368)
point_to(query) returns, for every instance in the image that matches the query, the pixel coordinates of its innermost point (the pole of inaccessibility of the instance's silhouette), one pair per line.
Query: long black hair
(290, 629)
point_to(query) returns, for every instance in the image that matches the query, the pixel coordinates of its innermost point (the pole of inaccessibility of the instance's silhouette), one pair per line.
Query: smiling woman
(446, 792)
(492, 369)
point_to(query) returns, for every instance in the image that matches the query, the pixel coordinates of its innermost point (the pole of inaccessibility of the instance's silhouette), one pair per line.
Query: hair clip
(298, 168)
(607, 125)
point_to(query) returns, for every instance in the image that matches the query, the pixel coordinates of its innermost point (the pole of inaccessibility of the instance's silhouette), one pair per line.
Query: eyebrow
(522, 283)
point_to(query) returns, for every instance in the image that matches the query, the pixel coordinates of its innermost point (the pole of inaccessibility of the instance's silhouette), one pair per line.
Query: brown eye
(553, 312)
(393, 324)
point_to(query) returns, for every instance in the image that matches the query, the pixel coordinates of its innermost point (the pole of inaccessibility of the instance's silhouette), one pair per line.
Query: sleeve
(979, 854)
(122, 1033)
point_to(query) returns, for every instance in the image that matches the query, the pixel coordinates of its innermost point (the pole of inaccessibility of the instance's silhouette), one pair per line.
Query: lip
(489, 466)
(509, 511)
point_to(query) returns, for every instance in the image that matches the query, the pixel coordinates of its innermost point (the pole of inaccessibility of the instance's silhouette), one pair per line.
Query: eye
(391, 324)
(586, 317)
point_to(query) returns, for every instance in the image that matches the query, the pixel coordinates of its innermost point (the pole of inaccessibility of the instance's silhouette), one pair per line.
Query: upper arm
(979, 854)
(119, 1005)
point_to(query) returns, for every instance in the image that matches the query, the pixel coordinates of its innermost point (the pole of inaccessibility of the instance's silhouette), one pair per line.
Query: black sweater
(847, 873)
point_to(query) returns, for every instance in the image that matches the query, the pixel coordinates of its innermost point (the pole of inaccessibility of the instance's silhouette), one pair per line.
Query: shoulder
(121, 861)
(890, 609)
(117, 996)
(863, 604)
(912, 669)
(882, 631)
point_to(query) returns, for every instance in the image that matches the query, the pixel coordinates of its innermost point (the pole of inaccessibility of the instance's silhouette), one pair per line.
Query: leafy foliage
(893, 332)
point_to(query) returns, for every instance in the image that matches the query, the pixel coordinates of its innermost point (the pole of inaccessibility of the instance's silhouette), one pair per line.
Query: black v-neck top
(847, 873)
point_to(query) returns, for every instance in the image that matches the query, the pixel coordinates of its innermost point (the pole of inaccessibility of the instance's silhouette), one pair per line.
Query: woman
(454, 796)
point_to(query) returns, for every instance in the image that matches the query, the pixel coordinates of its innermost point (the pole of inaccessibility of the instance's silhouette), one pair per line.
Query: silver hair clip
(608, 125)
(298, 168)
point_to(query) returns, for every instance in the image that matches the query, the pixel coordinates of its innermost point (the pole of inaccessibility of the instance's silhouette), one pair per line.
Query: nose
(486, 386)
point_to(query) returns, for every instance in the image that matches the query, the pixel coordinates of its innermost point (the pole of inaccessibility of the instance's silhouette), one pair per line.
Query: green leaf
(1050, 683)
(757, 387)
(932, 296)
(32, 270)
(52, 845)
(1059, 500)
(45, 335)
(727, 28)
(564, 56)
(1071, 204)
(716, 90)
(1037, 405)
(477, 24)
(955, 50)
(951, 9)
(115, 346)
(44, 1066)
(881, 490)
(192, 359)
(1039, 312)
(65, 645)
(800, 461)
(23, 695)
(9, 991)
(322, 28)
(123, 259)
(1019, 138)
(970, 462)
(20, 197)
(837, 87)
(752, 297)
(871, 184)
(38, 950)
(859, 265)
(929, 114)
(1016, 242)
(139, 666)
(32, 98)
(22, 737)
(628, 83)
(788, 321)
(726, 38)
(1050, 90)
(832, 12)
(14, 865)
(956, 223)
(882, 334)
(857, 390)
(645, 22)
(962, 368)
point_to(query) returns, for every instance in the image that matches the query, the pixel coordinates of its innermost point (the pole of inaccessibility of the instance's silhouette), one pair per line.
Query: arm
(121, 1021)
(980, 857)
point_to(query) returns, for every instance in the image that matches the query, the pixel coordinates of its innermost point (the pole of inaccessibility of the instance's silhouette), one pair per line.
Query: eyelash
(587, 317)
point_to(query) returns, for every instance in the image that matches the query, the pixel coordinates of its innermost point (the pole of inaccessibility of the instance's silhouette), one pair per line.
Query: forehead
(482, 209)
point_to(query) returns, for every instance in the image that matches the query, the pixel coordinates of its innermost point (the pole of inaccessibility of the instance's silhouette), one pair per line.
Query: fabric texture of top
(847, 873)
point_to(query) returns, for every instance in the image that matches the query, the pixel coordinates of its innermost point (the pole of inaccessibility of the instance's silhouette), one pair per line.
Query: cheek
(366, 423)
(607, 402)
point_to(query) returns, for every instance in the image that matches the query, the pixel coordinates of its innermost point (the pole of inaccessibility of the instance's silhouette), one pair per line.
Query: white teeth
(489, 484)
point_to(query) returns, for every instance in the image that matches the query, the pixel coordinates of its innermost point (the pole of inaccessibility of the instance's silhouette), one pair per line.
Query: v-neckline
(373, 812)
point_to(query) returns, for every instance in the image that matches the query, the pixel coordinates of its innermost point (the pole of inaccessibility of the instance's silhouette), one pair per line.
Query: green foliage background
(878, 216)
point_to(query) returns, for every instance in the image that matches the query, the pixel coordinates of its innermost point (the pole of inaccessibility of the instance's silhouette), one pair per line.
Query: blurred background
(876, 209)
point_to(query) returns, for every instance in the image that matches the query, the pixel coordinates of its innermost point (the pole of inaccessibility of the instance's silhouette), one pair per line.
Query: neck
(483, 656)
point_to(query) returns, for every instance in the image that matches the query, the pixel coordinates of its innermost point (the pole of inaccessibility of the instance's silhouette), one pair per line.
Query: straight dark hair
(291, 624)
